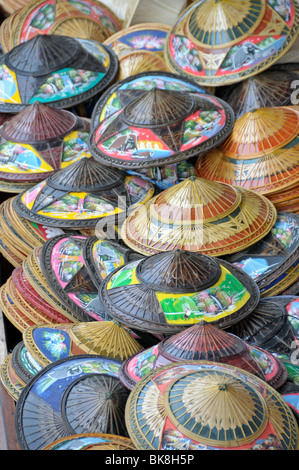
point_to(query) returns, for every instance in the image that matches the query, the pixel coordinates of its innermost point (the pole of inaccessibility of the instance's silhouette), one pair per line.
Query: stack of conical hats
(42, 345)
(199, 215)
(79, 196)
(261, 154)
(204, 342)
(60, 289)
(223, 42)
(37, 142)
(86, 20)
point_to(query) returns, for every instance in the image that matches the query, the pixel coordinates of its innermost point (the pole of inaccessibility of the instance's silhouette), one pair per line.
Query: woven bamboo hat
(154, 119)
(57, 70)
(39, 141)
(203, 342)
(199, 215)
(261, 153)
(87, 19)
(219, 42)
(82, 194)
(167, 292)
(204, 406)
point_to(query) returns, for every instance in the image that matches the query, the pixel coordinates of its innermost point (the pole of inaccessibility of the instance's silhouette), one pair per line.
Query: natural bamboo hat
(82, 194)
(199, 215)
(261, 153)
(204, 406)
(219, 42)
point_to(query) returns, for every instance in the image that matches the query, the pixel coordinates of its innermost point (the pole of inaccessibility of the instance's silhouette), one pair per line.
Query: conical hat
(260, 154)
(154, 119)
(167, 292)
(208, 406)
(88, 19)
(204, 342)
(219, 42)
(269, 260)
(199, 215)
(39, 141)
(92, 441)
(54, 406)
(267, 89)
(82, 194)
(105, 338)
(135, 62)
(46, 67)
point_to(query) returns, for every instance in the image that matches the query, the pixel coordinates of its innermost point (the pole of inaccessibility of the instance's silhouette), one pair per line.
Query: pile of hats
(85, 20)
(149, 177)
(262, 154)
(55, 367)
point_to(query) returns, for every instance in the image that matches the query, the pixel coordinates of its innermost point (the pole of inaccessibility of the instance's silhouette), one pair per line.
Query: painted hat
(47, 344)
(87, 19)
(139, 48)
(64, 269)
(290, 393)
(266, 90)
(147, 37)
(199, 342)
(82, 194)
(199, 215)
(154, 119)
(92, 441)
(27, 300)
(39, 141)
(273, 261)
(20, 236)
(52, 393)
(273, 326)
(202, 405)
(57, 70)
(261, 153)
(102, 256)
(219, 42)
(167, 292)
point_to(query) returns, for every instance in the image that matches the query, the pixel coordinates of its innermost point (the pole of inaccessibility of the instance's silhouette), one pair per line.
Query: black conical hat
(156, 107)
(43, 54)
(86, 175)
(178, 271)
